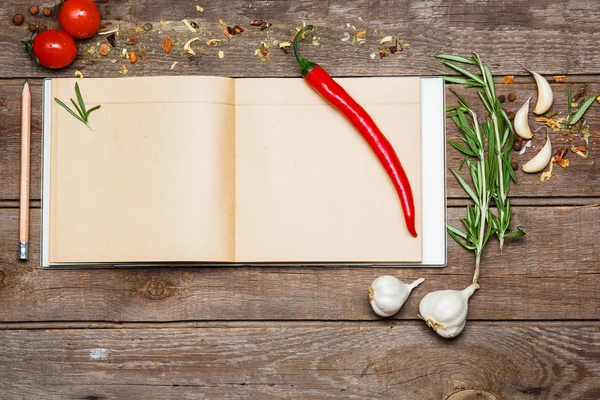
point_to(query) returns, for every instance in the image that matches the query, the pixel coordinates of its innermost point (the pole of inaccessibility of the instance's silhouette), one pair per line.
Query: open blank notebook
(206, 170)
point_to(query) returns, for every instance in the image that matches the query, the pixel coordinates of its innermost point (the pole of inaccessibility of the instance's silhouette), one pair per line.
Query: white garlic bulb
(387, 294)
(445, 311)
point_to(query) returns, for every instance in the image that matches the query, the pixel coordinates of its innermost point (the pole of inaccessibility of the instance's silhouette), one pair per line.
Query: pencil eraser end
(23, 251)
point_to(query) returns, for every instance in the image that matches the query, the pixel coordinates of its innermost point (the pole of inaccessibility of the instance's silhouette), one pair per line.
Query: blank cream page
(153, 181)
(308, 186)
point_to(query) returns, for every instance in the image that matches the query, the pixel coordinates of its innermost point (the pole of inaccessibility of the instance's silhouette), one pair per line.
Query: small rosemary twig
(80, 113)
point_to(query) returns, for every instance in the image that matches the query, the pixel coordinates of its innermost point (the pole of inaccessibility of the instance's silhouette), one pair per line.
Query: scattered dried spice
(226, 33)
(112, 39)
(188, 46)
(581, 151)
(262, 52)
(143, 55)
(213, 41)
(34, 10)
(78, 74)
(316, 40)
(47, 11)
(133, 40)
(580, 93)
(502, 98)
(109, 32)
(167, 44)
(510, 115)
(512, 97)
(559, 78)
(18, 19)
(548, 174)
(221, 54)
(199, 9)
(104, 50)
(285, 46)
(124, 70)
(189, 25)
(346, 37)
(173, 65)
(222, 22)
(509, 79)
(359, 38)
(387, 39)
(147, 26)
(163, 23)
(235, 30)
(554, 125)
(32, 28)
(132, 57)
(260, 23)
(560, 157)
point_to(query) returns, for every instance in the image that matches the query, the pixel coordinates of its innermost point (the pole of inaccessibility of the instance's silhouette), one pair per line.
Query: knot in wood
(471, 394)
(156, 289)
(2, 277)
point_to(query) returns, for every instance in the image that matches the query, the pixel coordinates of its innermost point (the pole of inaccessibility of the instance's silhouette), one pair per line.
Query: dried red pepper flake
(560, 157)
(229, 35)
(580, 93)
(133, 40)
(581, 151)
(509, 79)
(143, 55)
(236, 30)
(260, 23)
(104, 50)
(167, 44)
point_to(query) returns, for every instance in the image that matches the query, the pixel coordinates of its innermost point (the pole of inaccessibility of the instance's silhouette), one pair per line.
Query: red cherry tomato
(54, 49)
(79, 18)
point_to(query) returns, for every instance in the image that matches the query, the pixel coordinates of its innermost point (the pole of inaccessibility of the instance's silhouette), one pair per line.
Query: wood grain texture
(540, 32)
(308, 361)
(551, 274)
(586, 171)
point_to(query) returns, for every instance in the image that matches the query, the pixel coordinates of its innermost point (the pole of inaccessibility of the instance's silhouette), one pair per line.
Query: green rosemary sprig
(80, 113)
(584, 106)
(489, 143)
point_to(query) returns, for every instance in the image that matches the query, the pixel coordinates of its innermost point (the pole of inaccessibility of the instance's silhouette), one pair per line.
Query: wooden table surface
(306, 332)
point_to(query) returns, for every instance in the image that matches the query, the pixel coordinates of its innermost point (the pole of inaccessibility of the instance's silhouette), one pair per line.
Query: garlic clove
(545, 96)
(387, 294)
(445, 311)
(521, 121)
(540, 160)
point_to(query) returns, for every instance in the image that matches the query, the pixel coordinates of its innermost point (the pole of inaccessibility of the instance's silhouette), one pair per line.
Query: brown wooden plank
(551, 36)
(551, 274)
(309, 361)
(581, 178)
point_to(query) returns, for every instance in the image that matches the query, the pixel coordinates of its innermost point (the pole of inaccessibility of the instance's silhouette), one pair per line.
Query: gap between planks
(383, 323)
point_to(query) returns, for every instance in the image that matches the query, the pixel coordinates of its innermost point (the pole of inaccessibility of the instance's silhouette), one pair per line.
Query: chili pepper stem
(305, 65)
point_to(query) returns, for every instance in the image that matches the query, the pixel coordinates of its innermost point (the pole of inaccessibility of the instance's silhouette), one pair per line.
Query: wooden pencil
(25, 158)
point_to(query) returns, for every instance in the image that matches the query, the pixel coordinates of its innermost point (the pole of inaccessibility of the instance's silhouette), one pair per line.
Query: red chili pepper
(322, 82)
